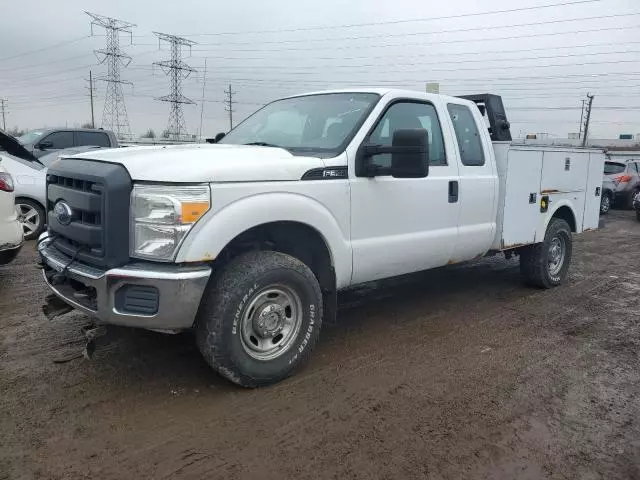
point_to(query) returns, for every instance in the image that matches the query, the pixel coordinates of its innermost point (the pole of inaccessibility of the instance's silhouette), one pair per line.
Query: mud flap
(54, 307)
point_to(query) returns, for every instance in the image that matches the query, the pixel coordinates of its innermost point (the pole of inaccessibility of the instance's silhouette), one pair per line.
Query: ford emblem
(63, 212)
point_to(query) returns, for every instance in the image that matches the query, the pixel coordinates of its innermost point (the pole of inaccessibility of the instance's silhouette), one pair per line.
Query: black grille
(98, 195)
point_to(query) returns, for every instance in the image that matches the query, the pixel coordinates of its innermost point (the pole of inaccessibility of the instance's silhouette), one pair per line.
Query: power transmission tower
(177, 70)
(3, 106)
(114, 115)
(91, 87)
(204, 84)
(228, 102)
(588, 119)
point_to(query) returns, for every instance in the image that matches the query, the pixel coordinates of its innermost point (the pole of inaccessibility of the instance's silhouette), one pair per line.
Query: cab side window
(409, 115)
(467, 134)
(59, 140)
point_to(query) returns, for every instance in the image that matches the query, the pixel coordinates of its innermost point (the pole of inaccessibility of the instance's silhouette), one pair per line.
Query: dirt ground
(456, 373)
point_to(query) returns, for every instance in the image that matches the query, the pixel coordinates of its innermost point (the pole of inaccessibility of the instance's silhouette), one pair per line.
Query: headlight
(162, 215)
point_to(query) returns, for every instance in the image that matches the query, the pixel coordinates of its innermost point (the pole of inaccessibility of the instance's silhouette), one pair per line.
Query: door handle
(453, 191)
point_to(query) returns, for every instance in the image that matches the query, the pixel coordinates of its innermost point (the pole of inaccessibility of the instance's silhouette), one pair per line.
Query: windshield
(611, 168)
(30, 137)
(314, 123)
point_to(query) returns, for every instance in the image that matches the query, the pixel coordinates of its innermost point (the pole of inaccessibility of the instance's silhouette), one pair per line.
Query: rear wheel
(31, 216)
(605, 203)
(545, 265)
(260, 318)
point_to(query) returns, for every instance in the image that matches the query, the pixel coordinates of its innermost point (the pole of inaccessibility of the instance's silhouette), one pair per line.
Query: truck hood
(207, 163)
(13, 147)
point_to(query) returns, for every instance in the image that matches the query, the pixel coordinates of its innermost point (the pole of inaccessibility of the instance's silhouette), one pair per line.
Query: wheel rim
(29, 218)
(271, 322)
(557, 253)
(605, 203)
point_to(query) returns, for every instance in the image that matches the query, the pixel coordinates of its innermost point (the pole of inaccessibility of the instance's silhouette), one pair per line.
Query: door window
(467, 134)
(97, 139)
(59, 140)
(409, 115)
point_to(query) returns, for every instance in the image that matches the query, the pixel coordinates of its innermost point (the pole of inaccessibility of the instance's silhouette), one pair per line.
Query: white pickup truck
(247, 241)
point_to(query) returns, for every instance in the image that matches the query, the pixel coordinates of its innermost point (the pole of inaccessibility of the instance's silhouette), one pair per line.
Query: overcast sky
(543, 61)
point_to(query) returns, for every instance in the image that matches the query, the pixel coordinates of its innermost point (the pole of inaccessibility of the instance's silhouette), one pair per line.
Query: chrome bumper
(94, 291)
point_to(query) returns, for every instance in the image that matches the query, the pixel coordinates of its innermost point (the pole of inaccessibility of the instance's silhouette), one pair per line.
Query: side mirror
(44, 145)
(216, 139)
(409, 156)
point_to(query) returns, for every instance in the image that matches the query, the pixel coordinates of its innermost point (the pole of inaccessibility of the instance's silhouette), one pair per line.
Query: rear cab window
(613, 168)
(98, 139)
(467, 135)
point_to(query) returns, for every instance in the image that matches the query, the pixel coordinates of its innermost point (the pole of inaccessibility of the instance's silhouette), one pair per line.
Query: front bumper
(175, 290)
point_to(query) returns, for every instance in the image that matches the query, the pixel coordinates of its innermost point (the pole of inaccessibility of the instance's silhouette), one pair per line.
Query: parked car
(42, 141)
(11, 237)
(29, 175)
(626, 179)
(606, 199)
(636, 205)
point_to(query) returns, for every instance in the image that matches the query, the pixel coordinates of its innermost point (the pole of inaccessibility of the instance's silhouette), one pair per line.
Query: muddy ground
(456, 373)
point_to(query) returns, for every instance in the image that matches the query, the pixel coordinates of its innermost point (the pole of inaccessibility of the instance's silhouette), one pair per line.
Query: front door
(403, 225)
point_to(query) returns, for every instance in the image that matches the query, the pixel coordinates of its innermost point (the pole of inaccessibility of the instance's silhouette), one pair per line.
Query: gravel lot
(456, 373)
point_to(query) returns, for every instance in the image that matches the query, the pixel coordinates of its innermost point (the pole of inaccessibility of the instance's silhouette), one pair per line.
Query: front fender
(219, 227)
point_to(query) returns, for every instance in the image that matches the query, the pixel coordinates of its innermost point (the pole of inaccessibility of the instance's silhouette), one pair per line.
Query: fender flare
(217, 228)
(542, 227)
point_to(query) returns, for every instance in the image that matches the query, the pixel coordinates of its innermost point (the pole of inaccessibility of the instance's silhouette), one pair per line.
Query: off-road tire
(218, 332)
(534, 261)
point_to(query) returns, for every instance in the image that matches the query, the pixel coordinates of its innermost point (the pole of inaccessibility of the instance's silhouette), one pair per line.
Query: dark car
(42, 141)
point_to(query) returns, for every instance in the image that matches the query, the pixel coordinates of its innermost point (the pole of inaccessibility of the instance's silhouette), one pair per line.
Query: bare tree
(86, 125)
(149, 134)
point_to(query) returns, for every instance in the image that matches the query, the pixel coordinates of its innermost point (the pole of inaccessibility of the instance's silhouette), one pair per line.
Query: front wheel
(546, 264)
(31, 216)
(260, 318)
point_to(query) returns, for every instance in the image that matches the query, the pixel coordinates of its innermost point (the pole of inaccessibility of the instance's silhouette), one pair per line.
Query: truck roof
(385, 91)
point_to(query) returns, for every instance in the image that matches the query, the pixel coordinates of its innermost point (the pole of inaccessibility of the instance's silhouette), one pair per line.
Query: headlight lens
(162, 215)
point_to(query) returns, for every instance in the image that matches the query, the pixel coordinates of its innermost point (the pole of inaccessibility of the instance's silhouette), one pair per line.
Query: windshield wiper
(263, 144)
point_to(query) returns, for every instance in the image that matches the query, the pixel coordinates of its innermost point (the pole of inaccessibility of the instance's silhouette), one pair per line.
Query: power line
(224, 44)
(114, 116)
(177, 71)
(396, 22)
(38, 50)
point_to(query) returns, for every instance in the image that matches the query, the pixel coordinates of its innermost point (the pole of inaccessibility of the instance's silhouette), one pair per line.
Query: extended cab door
(478, 181)
(403, 225)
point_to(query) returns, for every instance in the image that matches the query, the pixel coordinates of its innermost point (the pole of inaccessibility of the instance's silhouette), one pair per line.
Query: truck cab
(247, 241)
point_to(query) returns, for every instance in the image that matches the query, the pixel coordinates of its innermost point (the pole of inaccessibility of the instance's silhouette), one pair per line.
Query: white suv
(10, 229)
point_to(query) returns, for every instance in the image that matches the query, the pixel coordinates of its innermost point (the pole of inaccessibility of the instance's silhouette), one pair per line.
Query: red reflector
(623, 178)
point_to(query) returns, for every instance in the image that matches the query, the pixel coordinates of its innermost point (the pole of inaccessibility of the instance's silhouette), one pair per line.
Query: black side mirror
(215, 139)
(44, 145)
(409, 156)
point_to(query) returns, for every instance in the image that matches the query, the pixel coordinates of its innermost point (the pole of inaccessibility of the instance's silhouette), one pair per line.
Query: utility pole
(93, 123)
(229, 105)
(581, 120)
(3, 106)
(114, 116)
(177, 71)
(588, 119)
(204, 83)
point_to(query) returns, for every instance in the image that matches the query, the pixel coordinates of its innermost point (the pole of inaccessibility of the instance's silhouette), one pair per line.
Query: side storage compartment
(521, 197)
